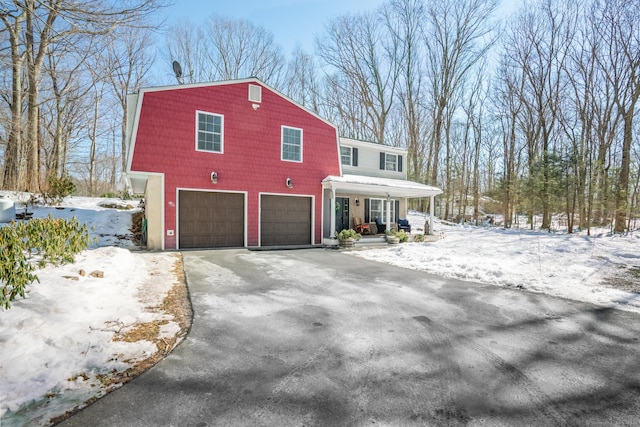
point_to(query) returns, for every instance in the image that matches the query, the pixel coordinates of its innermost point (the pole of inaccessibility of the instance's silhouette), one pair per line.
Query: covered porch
(368, 198)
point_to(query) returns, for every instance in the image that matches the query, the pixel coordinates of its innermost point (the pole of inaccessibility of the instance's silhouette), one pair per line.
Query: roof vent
(255, 93)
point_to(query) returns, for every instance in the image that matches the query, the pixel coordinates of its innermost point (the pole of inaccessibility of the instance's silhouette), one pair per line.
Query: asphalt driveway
(318, 337)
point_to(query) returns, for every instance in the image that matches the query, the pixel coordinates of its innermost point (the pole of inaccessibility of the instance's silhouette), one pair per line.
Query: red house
(229, 164)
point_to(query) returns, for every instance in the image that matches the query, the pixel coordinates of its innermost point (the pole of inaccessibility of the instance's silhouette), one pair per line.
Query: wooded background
(531, 114)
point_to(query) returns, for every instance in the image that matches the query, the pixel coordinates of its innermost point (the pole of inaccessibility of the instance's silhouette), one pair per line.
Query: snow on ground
(575, 266)
(57, 345)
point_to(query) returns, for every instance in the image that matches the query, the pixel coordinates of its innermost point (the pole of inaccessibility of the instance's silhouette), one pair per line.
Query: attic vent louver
(255, 93)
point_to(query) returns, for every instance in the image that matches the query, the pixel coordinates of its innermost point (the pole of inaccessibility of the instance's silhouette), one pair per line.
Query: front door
(342, 213)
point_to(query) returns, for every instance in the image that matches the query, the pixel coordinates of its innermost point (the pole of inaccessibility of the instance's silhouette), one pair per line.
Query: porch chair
(360, 226)
(382, 227)
(403, 224)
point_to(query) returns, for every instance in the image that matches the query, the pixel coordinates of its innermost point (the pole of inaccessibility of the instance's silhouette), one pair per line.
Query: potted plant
(395, 237)
(392, 238)
(402, 235)
(347, 237)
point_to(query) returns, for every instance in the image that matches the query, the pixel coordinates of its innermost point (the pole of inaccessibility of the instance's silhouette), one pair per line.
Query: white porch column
(332, 212)
(431, 213)
(388, 219)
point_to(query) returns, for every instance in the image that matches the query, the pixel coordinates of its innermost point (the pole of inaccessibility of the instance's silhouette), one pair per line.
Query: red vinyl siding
(166, 143)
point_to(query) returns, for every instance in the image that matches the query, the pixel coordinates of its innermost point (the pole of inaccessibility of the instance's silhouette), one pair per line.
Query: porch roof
(375, 186)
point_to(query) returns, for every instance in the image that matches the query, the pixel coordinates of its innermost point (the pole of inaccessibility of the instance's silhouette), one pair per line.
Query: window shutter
(397, 213)
(382, 160)
(399, 163)
(354, 157)
(366, 211)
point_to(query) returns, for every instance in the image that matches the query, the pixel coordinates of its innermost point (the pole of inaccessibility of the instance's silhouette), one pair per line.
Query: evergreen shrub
(36, 243)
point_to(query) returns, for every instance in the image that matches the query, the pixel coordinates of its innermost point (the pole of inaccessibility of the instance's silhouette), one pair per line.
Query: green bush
(16, 272)
(349, 234)
(25, 245)
(402, 235)
(418, 238)
(59, 188)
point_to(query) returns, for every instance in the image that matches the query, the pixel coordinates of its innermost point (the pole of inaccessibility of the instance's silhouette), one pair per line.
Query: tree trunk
(14, 141)
(622, 189)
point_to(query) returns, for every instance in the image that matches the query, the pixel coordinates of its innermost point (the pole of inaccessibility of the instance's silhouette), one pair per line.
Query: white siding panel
(369, 159)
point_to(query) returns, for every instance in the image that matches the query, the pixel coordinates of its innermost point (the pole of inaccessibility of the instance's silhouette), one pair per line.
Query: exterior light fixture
(289, 183)
(357, 201)
(214, 177)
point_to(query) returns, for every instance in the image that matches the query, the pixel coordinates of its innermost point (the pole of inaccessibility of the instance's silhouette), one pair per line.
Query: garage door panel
(210, 219)
(285, 220)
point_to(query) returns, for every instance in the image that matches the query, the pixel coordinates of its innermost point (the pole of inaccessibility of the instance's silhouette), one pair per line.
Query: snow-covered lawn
(67, 342)
(599, 269)
(69, 339)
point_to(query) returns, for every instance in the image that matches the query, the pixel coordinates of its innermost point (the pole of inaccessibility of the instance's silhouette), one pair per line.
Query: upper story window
(349, 156)
(210, 135)
(291, 144)
(391, 162)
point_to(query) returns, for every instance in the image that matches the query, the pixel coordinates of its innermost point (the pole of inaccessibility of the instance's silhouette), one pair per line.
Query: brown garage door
(211, 220)
(285, 220)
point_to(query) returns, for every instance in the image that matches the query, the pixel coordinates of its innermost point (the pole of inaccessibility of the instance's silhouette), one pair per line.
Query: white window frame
(350, 163)
(383, 210)
(388, 162)
(198, 131)
(282, 144)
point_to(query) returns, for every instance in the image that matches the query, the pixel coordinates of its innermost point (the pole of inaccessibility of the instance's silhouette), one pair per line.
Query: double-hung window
(291, 144)
(349, 156)
(210, 133)
(391, 162)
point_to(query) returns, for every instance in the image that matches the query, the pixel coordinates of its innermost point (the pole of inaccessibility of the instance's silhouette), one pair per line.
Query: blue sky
(290, 21)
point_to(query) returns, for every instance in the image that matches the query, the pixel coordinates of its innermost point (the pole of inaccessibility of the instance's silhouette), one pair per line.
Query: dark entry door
(342, 213)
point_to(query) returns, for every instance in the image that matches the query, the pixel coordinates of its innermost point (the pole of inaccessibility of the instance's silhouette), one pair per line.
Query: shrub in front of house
(36, 243)
(349, 234)
(418, 238)
(402, 235)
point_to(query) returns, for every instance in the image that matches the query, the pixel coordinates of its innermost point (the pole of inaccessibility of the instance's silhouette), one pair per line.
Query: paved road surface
(318, 337)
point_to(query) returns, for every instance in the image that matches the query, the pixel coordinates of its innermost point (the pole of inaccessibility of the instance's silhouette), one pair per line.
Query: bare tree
(456, 36)
(366, 67)
(186, 43)
(13, 20)
(620, 30)
(301, 80)
(126, 63)
(403, 21)
(62, 108)
(46, 23)
(225, 49)
(540, 40)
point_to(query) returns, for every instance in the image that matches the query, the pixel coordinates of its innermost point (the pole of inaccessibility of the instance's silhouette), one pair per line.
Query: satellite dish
(177, 70)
